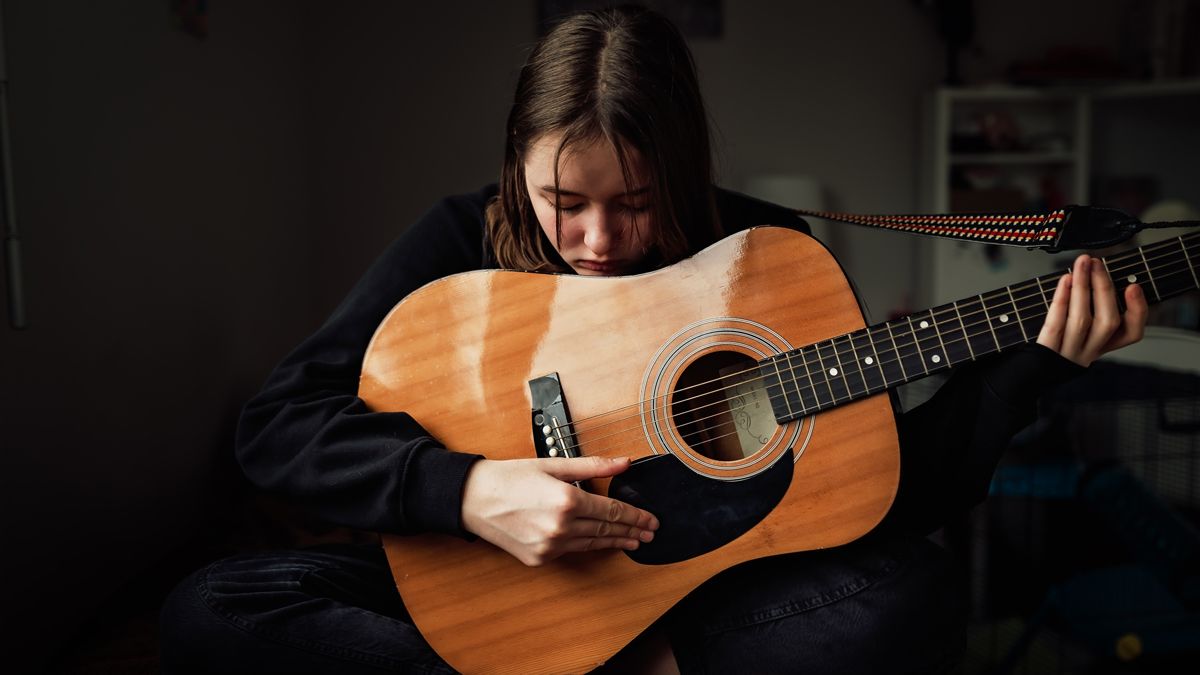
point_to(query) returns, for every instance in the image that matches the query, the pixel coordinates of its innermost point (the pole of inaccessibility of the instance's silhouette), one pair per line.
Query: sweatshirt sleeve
(950, 445)
(308, 436)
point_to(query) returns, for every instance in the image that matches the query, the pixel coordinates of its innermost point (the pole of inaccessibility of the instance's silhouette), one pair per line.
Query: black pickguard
(696, 514)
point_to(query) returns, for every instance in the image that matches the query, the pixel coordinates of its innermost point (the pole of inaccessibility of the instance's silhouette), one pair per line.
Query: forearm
(951, 444)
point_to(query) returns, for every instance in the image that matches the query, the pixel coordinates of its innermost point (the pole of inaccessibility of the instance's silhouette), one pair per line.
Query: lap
(326, 609)
(883, 604)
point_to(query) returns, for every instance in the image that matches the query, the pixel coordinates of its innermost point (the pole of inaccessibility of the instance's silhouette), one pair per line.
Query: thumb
(582, 468)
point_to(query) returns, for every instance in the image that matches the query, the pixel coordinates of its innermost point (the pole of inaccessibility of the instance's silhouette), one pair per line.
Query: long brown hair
(624, 75)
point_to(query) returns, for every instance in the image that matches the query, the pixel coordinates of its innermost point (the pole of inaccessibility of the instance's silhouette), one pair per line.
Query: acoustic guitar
(745, 381)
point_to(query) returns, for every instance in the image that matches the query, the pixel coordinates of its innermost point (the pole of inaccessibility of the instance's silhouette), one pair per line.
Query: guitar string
(1117, 265)
(708, 429)
(835, 400)
(698, 421)
(909, 332)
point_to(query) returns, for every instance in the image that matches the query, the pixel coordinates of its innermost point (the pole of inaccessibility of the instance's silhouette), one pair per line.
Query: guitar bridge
(553, 435)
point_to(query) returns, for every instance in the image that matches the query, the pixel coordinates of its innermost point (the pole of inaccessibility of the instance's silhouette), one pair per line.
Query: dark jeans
(882, 604)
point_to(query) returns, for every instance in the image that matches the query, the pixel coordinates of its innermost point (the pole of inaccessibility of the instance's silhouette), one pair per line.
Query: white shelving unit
(1040, 138)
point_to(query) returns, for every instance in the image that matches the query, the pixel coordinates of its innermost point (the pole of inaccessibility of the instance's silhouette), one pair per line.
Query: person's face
(598, 208)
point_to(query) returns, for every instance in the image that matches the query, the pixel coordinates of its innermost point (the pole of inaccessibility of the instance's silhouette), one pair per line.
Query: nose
(602, 232)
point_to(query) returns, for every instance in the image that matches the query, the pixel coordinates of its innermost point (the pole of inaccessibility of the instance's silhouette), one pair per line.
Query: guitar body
(458, 355)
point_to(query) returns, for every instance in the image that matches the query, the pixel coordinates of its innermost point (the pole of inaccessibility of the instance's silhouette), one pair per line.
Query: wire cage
(1086, 556)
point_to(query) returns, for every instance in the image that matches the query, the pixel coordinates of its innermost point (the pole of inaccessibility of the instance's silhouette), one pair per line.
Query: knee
(187, 627)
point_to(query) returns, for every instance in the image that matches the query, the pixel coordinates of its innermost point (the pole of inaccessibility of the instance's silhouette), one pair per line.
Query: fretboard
(868, 361)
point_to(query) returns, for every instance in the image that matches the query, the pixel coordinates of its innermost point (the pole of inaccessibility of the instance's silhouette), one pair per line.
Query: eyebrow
(550, 189)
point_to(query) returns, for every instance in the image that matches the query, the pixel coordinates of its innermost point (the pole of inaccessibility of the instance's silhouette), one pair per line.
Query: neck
(871, 360)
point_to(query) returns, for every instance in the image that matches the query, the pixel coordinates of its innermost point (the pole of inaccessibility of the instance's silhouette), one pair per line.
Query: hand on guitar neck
(1084, 321)
(530, 508)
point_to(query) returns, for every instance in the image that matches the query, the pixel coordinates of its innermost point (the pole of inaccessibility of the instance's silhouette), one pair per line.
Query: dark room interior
(192, 186)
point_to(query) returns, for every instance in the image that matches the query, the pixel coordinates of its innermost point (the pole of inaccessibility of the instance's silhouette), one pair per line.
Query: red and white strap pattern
(1015, 230)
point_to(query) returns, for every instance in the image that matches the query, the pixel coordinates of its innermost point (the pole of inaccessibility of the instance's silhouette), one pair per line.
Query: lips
(609, 267)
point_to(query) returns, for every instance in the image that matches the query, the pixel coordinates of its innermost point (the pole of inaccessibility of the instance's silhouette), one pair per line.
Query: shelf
(1064, 92)
(1013, 158)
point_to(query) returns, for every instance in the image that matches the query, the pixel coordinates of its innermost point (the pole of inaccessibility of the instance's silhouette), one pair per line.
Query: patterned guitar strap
(1069, 228)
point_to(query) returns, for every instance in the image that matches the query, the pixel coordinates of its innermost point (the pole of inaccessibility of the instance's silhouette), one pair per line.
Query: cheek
(644, 230)
(545, 217)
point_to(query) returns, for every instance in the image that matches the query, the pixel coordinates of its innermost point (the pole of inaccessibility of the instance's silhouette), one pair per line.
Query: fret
(833, 371)
(1188, 259)
(822, 387)
(1001, 317)
(1031, 310)
(963, 331)
(773, 382)
(888, 358)
(806, 390)
(1171, 278)
(1016, 311)
(783, 391)
(951, 335)
(868, 359)
(979, 332)
(929, 341)
(896, 350)
(910, 352)
(1153, 285)
(1042, 290)
(853, 367)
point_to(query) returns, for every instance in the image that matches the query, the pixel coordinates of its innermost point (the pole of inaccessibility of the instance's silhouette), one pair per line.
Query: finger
(615, 511)
(1133, 325)
(600, 543)
(1079, 312)
(1056, 317)
(599, 529)
(1106, 317)
(582, 468)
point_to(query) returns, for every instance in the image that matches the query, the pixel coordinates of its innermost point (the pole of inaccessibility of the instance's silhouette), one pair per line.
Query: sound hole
(720, 407)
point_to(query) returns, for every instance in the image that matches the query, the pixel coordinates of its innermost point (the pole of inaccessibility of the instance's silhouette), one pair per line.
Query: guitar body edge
(458, 356)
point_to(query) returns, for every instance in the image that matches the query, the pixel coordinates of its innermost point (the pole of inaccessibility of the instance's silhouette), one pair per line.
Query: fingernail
(631, 545)
(646, 536)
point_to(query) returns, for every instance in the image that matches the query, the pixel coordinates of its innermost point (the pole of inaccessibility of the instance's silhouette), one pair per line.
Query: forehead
(591, 162)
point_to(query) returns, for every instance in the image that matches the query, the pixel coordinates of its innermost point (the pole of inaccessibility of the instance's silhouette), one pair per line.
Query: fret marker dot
(1132, 278)
(833, 371)
(869, 360)
(936, 359)
(1003, 318)
(924, 324)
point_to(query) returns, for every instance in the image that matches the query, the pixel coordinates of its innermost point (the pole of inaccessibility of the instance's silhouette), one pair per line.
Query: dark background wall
(190, 209)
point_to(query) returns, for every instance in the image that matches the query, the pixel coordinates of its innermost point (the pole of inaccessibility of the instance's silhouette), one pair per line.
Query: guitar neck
(876, 358)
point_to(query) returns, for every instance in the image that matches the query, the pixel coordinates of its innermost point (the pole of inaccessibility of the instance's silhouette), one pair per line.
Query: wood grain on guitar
(663, 364)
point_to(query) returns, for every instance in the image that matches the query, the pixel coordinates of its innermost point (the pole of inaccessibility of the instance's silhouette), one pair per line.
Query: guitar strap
(1067, 229)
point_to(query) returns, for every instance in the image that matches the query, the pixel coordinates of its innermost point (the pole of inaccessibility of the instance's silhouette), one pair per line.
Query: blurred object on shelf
(987, 131)
(1067, 64)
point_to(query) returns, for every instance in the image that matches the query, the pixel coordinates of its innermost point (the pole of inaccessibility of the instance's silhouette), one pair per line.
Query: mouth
(609, 267)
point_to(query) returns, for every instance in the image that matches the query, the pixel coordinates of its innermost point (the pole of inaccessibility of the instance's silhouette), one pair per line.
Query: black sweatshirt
(307, 435)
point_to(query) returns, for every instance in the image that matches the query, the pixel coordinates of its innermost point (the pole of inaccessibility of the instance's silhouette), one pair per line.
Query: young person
(606, 172)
